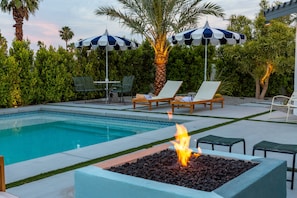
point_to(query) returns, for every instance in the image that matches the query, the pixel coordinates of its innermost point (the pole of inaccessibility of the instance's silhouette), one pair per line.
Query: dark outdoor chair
(85, 84)
(125, 87)
(78, 84)
(89, 84)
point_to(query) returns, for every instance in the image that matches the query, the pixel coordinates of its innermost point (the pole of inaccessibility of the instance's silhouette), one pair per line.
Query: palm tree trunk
(160, 78)
(18, 17)
(160, 75)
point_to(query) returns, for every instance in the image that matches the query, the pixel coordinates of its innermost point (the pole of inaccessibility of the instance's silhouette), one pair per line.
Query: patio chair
(205, 95)
(166, 94)
(89, 85)
(78, 84)
(125, 87)
(84, 84)
(282, 101)
(3, 194)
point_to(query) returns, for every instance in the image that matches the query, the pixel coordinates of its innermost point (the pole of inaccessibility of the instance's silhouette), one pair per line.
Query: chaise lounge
(205, 95)
(167, 94)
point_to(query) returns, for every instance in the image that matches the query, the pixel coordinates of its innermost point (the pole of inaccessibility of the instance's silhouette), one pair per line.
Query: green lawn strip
(100, 159)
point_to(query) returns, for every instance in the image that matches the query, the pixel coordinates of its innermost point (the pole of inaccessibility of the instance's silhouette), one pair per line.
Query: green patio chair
(85, 84)
(89, 85)
(78, 84)
(124, 88)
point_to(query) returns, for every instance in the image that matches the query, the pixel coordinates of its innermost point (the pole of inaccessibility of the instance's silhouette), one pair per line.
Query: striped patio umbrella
(207, 36)
(107, 42)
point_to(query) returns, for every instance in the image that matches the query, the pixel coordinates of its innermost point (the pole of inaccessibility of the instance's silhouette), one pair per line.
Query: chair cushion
(143, 96)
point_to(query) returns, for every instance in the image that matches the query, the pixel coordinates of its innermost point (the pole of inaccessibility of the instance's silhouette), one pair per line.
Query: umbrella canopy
(107, 42)
(206, 36)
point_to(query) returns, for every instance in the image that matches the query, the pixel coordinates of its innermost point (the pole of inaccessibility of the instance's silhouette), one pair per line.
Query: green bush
(46, 76)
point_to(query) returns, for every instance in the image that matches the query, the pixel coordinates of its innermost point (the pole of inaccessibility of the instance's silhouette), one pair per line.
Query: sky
(80, 16)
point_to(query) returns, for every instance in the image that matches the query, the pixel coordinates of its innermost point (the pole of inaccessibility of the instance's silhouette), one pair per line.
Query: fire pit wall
(266, 180)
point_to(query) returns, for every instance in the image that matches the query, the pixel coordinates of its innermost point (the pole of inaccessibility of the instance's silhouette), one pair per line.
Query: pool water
(27, 136)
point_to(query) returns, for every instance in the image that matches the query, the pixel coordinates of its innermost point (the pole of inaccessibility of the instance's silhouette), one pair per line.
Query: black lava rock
(204, 173)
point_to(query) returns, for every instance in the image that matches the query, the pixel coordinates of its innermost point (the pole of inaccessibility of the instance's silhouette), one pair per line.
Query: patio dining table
(107, 82)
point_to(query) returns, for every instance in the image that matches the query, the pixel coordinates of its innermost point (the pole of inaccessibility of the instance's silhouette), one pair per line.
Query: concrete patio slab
(224, 119)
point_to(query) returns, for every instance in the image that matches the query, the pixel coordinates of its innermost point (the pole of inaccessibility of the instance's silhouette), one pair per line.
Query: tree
(20, 11)
(241, 24)
(271, 50)
(66, 34)
(155, 20)
(268, 53)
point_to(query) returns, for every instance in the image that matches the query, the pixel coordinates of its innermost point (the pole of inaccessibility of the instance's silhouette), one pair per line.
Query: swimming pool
(30, 135)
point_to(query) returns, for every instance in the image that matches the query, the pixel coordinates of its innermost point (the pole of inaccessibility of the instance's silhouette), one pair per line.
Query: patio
(242, 118)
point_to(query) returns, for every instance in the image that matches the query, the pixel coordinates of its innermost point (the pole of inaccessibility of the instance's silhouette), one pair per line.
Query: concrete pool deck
(230, 121)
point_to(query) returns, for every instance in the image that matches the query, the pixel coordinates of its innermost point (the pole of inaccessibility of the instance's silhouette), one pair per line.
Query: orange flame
(169, 115)
(199, 152)
(181, 145)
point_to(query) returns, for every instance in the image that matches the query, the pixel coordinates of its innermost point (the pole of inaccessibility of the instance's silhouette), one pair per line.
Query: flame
(181, 145)
(169, 115)
(182, 142)
(199, 152)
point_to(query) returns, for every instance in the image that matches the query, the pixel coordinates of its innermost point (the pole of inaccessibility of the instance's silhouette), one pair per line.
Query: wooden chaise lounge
(205, 95)
(167, 94)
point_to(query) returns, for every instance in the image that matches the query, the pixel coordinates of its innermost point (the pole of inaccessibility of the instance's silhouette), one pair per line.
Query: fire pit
(267, 179)
(202, 173)
(157, 174)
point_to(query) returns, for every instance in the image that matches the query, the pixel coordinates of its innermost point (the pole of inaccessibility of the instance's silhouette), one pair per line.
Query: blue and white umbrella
(206, 36)
(107, 42)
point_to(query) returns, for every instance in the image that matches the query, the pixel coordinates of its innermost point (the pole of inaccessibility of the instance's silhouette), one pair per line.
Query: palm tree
(155, 20)
(20, 11)
(66, 34)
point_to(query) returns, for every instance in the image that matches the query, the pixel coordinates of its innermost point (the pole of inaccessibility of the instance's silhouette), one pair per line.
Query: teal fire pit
(266, 180)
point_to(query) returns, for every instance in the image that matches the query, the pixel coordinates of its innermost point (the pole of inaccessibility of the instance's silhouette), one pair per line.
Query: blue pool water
(26, 136)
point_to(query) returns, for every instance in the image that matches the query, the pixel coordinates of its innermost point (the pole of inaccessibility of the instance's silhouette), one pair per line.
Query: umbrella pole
(295, 70)
(106, 74)
(205, 61)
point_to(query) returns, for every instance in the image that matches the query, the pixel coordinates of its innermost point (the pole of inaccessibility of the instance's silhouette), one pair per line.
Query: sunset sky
(79, 16)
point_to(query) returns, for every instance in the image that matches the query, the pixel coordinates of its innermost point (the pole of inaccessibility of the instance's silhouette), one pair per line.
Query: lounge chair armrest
(280, 98)
(292, 105)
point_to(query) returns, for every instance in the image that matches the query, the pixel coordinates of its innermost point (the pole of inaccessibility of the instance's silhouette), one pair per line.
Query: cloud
(37, 30)
(80, 17)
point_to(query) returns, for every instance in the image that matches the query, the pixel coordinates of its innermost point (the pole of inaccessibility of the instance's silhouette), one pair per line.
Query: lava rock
(204, 173)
